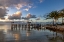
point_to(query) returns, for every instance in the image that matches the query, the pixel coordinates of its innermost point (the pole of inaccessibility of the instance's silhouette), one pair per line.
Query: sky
(29, 8)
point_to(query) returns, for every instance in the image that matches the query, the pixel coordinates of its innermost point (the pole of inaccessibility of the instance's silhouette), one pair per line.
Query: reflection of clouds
(4, 28)
(28, 33)
(16, 36)
(8, 36)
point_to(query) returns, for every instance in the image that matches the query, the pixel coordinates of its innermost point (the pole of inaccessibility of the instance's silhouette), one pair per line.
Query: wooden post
(16, 26)
(11, 26)
(28, 26)
(22, 26)
(19, 25)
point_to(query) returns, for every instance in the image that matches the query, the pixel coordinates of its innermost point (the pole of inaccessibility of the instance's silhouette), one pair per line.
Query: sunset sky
(28, 8)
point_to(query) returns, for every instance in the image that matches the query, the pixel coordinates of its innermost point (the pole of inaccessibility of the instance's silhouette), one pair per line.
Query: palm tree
(61, 13)
(53, 15)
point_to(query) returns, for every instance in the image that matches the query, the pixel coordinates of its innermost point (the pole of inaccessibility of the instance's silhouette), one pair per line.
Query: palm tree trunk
(62, 20)
(56, 23)
(53, 21)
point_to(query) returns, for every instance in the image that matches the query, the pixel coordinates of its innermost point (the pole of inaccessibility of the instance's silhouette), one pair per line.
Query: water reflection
(16, 36)
(2, 37)
(29, 35)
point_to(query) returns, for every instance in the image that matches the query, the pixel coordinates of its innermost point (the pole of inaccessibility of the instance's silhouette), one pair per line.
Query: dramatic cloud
(16, 15)
(2, 12)
(15, 3)
(18, 4)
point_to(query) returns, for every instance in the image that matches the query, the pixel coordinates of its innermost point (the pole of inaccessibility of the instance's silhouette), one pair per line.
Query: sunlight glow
(6, 17)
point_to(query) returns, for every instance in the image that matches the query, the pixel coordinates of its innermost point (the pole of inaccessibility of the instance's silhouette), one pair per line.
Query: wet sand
(29, 35)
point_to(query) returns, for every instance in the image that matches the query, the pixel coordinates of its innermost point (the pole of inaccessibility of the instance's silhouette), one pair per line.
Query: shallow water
(26, 35)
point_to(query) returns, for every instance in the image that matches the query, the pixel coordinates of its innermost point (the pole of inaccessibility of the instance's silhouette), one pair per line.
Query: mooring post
(11, 26)
(19, 25)
(22, 25)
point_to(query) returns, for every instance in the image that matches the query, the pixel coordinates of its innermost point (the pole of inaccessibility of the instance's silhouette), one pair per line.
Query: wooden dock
(28, 25)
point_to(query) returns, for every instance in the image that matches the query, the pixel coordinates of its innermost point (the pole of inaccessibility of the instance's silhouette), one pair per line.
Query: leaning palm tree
(53, 15)
(61, 14)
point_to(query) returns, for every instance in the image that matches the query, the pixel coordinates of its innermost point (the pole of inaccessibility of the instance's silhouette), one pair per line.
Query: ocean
(28, 35)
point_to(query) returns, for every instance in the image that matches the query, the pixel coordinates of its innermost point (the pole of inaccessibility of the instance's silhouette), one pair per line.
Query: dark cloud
(25, 18)
(14, 17)
(3, 12)
(38, 18)
(33, 16)
(29, 16)
(2, 18)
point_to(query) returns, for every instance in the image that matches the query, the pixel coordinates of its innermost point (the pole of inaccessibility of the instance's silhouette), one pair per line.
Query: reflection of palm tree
(63, 35)
(54, 38)
(53, 15)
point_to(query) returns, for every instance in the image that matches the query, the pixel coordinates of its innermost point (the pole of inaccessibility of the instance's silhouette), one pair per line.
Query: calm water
(26, 35)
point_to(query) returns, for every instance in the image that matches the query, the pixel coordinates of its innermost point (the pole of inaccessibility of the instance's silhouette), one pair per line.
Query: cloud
(27, 9)
(33, 16)
(3, 18)
(29, 16)
(15, 3)
(38, 18)
(29, 6)
(25, 18)
(18, 6)
(41, 1)
(16, 15)
(3, 12)
(18, 3)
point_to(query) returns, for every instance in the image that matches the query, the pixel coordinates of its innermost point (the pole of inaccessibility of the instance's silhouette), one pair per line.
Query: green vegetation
(55, 15)
(61, 14)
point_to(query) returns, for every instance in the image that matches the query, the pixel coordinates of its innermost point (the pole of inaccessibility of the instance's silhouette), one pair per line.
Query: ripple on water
(33, 35)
